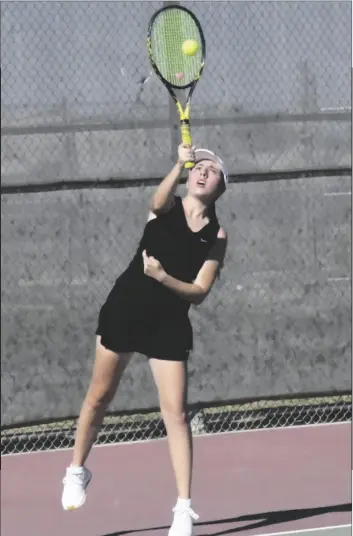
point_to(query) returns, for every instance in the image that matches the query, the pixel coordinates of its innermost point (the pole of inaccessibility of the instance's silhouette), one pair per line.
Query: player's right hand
(186, 153)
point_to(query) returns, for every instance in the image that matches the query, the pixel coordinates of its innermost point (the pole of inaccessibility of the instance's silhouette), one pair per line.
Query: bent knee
(174, 416)
(99, 396)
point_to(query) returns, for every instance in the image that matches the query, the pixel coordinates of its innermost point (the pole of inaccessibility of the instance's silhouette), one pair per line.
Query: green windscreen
(170, 29)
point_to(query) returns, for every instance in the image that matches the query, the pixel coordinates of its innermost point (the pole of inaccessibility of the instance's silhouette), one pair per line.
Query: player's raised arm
(163, 197)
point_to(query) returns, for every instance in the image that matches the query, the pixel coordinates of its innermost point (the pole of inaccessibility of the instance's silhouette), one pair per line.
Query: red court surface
(249, 482)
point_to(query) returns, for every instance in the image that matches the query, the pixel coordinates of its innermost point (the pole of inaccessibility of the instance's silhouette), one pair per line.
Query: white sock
(76, 469)
(183, 503)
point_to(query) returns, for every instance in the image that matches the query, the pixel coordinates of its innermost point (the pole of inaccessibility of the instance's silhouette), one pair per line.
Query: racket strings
(170, 29)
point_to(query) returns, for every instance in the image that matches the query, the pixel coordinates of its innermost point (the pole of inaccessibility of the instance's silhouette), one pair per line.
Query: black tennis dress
(141, 314)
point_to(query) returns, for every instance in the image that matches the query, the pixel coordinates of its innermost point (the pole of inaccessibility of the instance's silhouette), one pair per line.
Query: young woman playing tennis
(179, 256)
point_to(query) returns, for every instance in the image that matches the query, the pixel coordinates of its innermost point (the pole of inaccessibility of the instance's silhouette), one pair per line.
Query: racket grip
(186, 138)
(189, 165)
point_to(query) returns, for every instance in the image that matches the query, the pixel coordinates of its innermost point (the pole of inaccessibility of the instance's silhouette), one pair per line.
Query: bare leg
(107, 372)
(171, 381)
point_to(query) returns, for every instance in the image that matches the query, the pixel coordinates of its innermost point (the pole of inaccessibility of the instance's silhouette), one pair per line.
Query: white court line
(128, 443)
(333, 527)
(332, 194)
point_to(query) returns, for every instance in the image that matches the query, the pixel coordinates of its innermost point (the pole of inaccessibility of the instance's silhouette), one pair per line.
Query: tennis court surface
(256, 482)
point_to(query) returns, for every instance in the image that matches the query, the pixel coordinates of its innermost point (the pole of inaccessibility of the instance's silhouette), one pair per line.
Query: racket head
(168, 28)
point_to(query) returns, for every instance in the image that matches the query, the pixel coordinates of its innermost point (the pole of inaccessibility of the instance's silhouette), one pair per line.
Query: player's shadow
(255, 521)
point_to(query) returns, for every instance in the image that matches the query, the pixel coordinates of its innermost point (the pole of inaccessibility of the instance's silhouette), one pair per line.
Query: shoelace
(74, 479)
(188, 511)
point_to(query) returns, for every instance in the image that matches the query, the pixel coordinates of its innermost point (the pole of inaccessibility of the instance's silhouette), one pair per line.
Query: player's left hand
(152, 267)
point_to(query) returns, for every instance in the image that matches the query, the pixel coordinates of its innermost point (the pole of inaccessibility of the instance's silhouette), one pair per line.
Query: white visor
(205, 154)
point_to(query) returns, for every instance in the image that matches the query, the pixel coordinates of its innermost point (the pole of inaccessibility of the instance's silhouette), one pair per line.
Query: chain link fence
(139, 427)
(79, 100)
(80, 108)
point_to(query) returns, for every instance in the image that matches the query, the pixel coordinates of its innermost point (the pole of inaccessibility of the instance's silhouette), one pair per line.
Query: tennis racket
(168, 29)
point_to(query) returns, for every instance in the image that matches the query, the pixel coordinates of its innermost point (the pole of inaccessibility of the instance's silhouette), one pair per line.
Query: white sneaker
(183, 522)
(75, 484)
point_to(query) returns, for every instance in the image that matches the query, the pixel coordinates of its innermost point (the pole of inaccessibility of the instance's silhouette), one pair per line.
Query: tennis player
(177, 261)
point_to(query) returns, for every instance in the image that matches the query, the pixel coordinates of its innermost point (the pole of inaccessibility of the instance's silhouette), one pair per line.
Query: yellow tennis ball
(190, 47)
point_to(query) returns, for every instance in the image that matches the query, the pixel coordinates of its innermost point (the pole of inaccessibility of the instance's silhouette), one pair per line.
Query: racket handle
(189, 165)
(186, 138)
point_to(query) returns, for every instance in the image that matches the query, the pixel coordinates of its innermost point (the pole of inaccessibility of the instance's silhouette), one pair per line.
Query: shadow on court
(264, 519)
